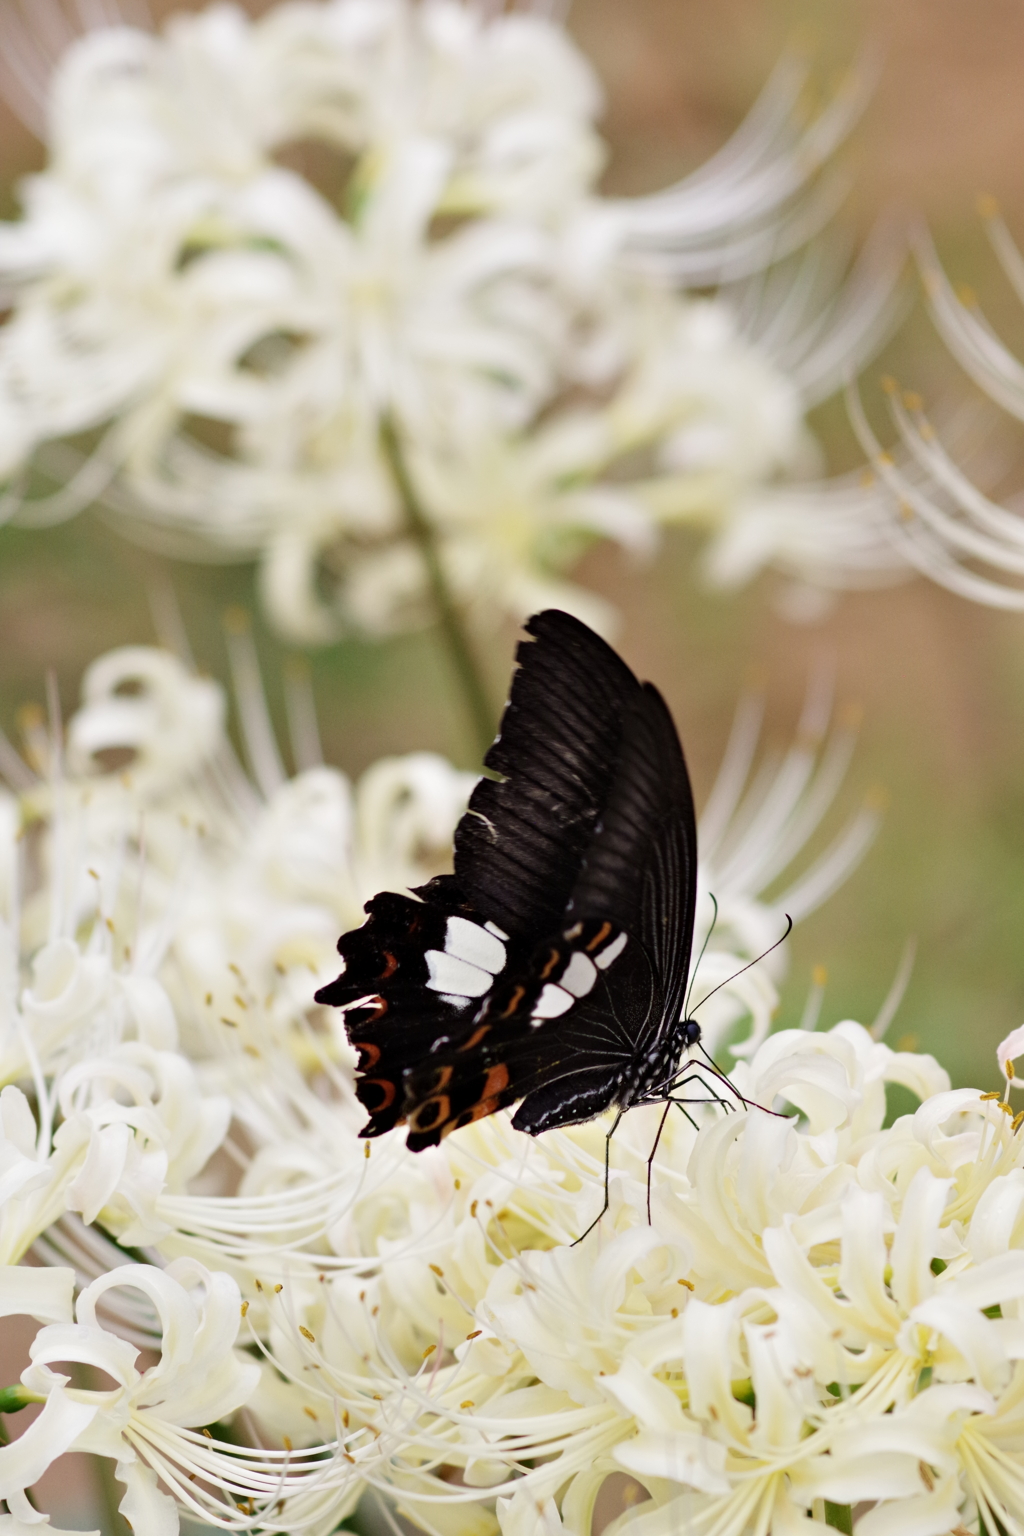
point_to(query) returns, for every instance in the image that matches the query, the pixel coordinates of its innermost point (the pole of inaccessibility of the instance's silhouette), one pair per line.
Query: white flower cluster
(938, 518)
(169, 1086)
(255, 242)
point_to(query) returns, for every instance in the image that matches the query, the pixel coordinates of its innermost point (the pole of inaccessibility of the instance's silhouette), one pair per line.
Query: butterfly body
(551, 967)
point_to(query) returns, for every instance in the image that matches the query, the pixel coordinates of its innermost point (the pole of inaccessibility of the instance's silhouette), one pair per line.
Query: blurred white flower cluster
(255, 242)
(178, 1127)
(933, 490)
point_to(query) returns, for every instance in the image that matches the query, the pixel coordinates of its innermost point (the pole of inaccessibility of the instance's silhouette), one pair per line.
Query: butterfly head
(689, 1034)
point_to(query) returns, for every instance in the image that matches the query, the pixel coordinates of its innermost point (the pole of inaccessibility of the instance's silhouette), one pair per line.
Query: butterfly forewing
(517, 849)
(640, 870)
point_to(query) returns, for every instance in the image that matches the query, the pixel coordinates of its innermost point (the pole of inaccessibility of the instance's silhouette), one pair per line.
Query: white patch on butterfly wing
(453, 1000)
(498, 932)
(579, 976)
(451, 975)
(608, 956)
(468, 941)
(552, 1002)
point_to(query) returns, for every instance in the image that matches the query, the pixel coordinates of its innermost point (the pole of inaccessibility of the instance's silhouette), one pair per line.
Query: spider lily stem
(453, 629)
(839, 1516)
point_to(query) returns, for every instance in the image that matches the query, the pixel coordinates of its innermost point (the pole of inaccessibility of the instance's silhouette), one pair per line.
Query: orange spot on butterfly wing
(422, 1120)
(517, 996)
(497, 1080)
(442, 1077)
(475, 1038)
(599, 937)
(390, 968)
(369, 1054)
(556, 955)
(388, 1091)
(490, 1100)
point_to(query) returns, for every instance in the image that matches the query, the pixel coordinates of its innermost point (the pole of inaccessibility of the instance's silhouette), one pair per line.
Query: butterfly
(551, 967)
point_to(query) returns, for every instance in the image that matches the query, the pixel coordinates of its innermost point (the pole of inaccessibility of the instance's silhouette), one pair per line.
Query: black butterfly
(551, 967)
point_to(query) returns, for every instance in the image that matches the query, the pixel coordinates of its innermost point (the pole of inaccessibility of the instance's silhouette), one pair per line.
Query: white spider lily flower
(228, 251)
(1008, 1052)
(753, 828)
(164, 722)
(142, 1421)
(214, 902)
(825, 536)
(364, 1278)
(937, 519)
(817, 1313)
(278, 234)
(926, 505)
(157, 1141)
(171, 860)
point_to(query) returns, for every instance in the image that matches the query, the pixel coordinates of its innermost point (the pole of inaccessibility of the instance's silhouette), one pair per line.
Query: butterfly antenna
(750, 963)
(700, 957)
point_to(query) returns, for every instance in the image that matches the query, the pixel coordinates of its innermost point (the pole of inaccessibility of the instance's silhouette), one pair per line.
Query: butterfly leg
(607, 1155)
(680, 1104)
(650, 1160)
(694, 1076)
(748, 1103)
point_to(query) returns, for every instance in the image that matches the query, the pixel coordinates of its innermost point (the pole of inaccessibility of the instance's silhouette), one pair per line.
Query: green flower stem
(422, 531)
(839, 1517)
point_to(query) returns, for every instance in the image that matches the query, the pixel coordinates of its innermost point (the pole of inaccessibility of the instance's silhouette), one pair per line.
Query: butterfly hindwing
(414, 975)
(558, 1033)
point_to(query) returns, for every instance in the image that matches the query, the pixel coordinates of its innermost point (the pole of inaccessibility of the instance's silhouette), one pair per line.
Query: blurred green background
(941, 683)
